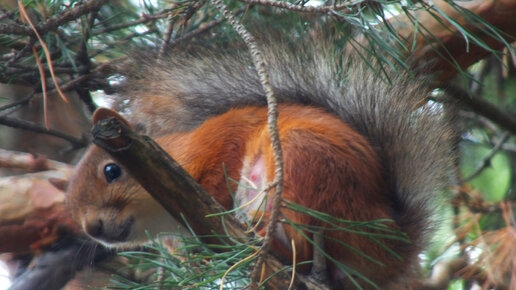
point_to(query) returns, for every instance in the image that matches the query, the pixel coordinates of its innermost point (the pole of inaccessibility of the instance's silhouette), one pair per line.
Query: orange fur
(328, 167)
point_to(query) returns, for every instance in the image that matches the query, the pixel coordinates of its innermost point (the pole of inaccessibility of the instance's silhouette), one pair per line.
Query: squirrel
(358, 145)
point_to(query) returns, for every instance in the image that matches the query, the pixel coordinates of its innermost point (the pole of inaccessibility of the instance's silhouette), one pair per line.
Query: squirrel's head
(109, 204)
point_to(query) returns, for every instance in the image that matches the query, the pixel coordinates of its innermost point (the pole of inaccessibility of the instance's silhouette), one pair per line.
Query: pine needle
(293, 264)
(43, 87)
(26, 18)
(235, 266)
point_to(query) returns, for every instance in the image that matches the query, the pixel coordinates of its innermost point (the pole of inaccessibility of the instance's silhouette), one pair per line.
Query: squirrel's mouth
(110, 233)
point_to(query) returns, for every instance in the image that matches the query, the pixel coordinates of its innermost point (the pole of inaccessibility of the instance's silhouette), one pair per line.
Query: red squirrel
(356, 147)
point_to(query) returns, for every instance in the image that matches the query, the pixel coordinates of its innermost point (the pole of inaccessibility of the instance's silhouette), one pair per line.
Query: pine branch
(54, 22)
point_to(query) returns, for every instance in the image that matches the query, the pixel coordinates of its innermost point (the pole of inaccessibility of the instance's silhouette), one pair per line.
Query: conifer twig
(55, 21)
(475, 203)
(167, 35)
(25, 100)
(22, 52)
(300, 8)
(43, 87)
(204, 28)
(142, 20)
(272, 121)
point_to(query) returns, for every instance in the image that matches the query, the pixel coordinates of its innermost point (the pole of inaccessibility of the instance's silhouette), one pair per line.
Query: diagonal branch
(179, 193)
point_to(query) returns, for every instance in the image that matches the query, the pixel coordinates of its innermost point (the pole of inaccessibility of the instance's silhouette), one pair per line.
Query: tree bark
(440, 47)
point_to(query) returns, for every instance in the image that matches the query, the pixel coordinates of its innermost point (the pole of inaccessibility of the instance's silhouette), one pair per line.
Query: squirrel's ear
(104, 113)
(58, 183)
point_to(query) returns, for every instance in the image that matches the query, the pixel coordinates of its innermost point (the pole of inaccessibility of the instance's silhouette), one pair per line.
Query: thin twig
(21, 102)
(167, 35)
(128, 37)
(204, 28)
(260, 66)
(505, 146)
(319, 267)
(74, 82)
(26, 17)
(53, 22)
(481, 120)
(486, 161)
(66, 86)
(34, 127)
(65, 68)
(143, 19)
(192, 9)
(22, 51)
(299, 8)
(83, 57)
(43, 87)
(476, 202)
(484, 108)
(6, 13)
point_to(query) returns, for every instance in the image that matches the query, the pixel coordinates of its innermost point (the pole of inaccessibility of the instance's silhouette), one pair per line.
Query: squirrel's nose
(108, 230)
(95, 228)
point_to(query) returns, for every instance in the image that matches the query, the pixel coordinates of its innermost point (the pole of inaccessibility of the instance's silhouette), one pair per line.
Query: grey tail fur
(412, 140)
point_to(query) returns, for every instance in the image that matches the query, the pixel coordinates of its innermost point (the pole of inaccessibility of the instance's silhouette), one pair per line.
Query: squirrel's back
(410, 138)
(388, 107)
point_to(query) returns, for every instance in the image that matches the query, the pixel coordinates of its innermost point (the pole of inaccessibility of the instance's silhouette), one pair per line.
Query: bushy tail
(411, 139)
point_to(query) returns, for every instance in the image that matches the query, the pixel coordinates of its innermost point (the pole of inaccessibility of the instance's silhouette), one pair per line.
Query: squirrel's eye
(112, 172)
